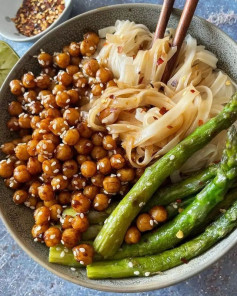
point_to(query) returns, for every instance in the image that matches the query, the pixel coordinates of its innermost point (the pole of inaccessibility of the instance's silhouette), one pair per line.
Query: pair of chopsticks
(180, 33)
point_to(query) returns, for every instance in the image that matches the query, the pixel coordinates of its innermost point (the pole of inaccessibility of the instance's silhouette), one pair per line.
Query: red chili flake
(163, 110)
(184, 260)
(192, 91)
(140, 80)
(178, 200)
(169, 126)
(134, 56)
(155, 118)
(120, 49)
(160, 61)
(169, 44)
(106, 43)
(131, 110)
(217, 161)
(112, 96)
(200, 122)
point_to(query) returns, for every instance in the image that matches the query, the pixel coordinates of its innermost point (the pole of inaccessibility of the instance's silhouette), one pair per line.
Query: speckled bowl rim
(149, 286)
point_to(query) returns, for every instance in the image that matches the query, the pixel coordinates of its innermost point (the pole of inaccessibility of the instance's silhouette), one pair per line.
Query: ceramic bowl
(8, 29)
(19, 220)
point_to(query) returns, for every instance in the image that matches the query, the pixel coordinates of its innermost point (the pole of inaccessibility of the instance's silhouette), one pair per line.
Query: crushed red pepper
(163, 110)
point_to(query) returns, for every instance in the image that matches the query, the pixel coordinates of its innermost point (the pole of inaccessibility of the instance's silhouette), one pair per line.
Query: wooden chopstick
(180, 34)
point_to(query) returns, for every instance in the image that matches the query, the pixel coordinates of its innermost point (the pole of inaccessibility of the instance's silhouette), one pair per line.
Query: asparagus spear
(111, 236)
(145, 266)
(195, 214)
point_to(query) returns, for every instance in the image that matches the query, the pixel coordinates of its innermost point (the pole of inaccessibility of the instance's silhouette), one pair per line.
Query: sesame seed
(151, 222)
(180, 234)
(52, 236)
(147, 273)
(172, 157)
(136, 272)
(58, 249)
(82, 262)
(130, 264)
(62, 254)
(82, 215)
(96, 204)
(73, 268)
(82, 250)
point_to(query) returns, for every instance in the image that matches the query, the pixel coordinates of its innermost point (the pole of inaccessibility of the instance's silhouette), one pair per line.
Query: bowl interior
(19, 220)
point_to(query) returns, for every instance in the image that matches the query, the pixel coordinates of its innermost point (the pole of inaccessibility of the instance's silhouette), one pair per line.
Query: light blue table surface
(21, 276)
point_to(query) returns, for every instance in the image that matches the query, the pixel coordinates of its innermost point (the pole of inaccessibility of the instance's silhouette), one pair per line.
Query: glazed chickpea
(93, 37)
(159, 213)
(104, 166)
(97, 138)
(80, 223)
(66, 222)
(31, 147)
(64, 78)
(104, 75)
(28, 80)
(42, 157)
(29, 97)
(58, 88)
(90, 67)
(42, 215)
(38, 231)
(111, 184)
(87, 47)
(72, 69)
(117, 161)
(62, 60)
(16, 87)
(64, 197)
(88, 169)
(79, 80)
(109, 143)
(50, 113)
(45, 59)
(49, 71)
(84, 146)
(78, 182)
(8, 148)
(66, 49)
(21, 151)
(84, 254)
(49, 101)
(45, 192)
(34, 107)
(70, 238)
(74, 49)
(55, 212)
(82, 158)
(80, 203)
(43, 81)
(132, 235)
(97, 89)
(74, 96)
(59, 182)
(126, 174)
(20, 196)
(24, 121)
(97, 180)
(21, 174)
(72, 116)
(91, 191)
(70, 168)
(52, 236)
(13, 124)
(34, 167)
(35, 120)
(75, 61)
(33, 189)
(111, 83)
(31, 202)
(109, 115)
(46, 147)
(51, 137)
(12, 183)
(84, 130)
(63, 152)
(144, 222)
(71, 137)
(15, 108)
(51, 167)
(50, 203)
(101, 202)
(58, 126)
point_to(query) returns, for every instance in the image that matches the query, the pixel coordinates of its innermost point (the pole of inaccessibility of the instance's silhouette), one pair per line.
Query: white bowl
(8, 29)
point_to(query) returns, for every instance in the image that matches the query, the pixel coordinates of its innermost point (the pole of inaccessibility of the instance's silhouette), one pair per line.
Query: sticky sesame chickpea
(79, 80)
(80, 223)
(50, 203)
(84, 254)
(58, 126)
(75, 61)
(78, 182)
(87, 47)
(132, 235)
(8, 148)
(49, 71)
(63, 152)
(92, 36)
(43, 81)
(98, 152)
(55, 212)
(51, 137)
(111, 184)
(38, 231)
(15, 108)
(13, 124)
(73, 95)
(70, 238)
(46, 192)
(91, 191)
(31, 147)
(30, 96)
(97, 180)
(84, 130)
(44, 125)
(74, 49)
(64, 197)
(34, 108)
(20, 196)
(84, 146)
(49, 101)
(66, 49)
(97, 138)
(16, 87)
(43, 157)
(82, 158)
(70, 168)
(109, 143)
(24, 121)
(28, 80)
(101, 202)
(80, 203)
(111, 83)
(12, 183)
(72, 69)
(51, 113)
(31, 202)
(62, 60)
(72, 116)
(34, 167)
(45, 147)
(21, 151)
(42, 215)
(126, 174)
(88, 169)
(21, 174)
(52, 236)
(33, 189)
(97, 89)
(71, 137)
(117, 161)
(66, 222)
(34, 121)
(45, 59)
(104, 165)
(159, 213)
(144, 222)
(58, 88)
(104, 75)
(90, 67)
(59, 182)
(64, 78)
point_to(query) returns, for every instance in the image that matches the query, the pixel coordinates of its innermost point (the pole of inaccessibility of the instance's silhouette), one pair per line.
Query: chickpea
(42, 157)
(50, 203)
(38, 231)
(82, 158)
(104, 75)
(101, 202)
(59, 182)
(66, 49)
(58, 88)
(71, 137)
(79, 80)
(72, 69)
(62, 60)
(12, 183)
(97, 89)
(16, 87)
(70, 238)
(42, 215)
(80, 223)
(84, 254)
(109, 143)
(63, 152)
(126, 174)
(97, 139)
(93, 37)
(55, 212)
(80, 203)
(28, 80)
(117, 161)
(84, 130)
(15, 108)
(13, 124)
(88, 169)
(66, 222)
(64, 78)
(84, 146)
(49, 101)
(39, 204)
(50, 113)
(24, 121)
(144, 222)
(72, 116)
(35, 120)
(88, 48)
(20, 196)
(64, 197)
(70, 168)
(43, 81)
(31, 202)
(78, 182)
(52, 236)
(51, 137)
(111, 83)
(46, 147)
(34, 108)
(97, 180)
(8, 148)
(74, 96)
(45, 192)
(33, 189)
(104, 166)
(58, 126)
(91, 191)
(21, 174)
(49, 71)
(111, 184)
(51, 167)
(132, 236)
(75, 61)
(34, 167)
(159, 213)
(45, 59)
(31, 147)
(74, 49)
(21, 151)
(90, 67)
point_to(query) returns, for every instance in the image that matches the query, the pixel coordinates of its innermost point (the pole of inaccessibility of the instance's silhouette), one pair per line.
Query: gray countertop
(21, 276)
